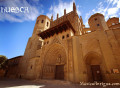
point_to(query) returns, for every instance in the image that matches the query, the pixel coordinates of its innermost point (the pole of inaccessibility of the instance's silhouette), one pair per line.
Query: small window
(37, 21)
(47, 42)
(98, 25)
(67, 35)
(42, 21)
(63, 37)
(47, 24)
(95, 19)
(113, 23)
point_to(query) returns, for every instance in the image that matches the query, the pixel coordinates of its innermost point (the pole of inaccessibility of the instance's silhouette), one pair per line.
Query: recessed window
(95, 19)
(63, 37)
(98, 24)
(47, 42)
(47, 24)
(42, 21)
(67, 35)
(31, 67)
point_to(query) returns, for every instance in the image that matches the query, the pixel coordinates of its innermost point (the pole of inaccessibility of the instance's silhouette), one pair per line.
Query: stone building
(64, 49)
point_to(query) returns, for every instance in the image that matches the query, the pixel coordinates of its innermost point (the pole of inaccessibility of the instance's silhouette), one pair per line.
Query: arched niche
(55, 61)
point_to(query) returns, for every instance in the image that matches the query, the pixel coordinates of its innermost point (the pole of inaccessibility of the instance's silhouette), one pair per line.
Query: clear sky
(16, 28)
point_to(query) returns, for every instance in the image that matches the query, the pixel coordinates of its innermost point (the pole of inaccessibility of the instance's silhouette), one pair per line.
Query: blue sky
(16, 28)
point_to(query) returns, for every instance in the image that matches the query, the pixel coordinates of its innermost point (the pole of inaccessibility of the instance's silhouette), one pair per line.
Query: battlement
(61, 19)
(112, 21)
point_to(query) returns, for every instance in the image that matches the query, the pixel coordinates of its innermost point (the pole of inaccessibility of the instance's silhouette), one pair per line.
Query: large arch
(93, 63)
(55, 61)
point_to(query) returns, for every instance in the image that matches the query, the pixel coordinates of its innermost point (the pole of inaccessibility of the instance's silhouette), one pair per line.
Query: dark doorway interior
(59, 74)
(96, 73)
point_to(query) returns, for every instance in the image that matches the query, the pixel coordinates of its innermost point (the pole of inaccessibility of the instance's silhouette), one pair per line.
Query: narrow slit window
(63, 37)
(47, 24)
(42, 21)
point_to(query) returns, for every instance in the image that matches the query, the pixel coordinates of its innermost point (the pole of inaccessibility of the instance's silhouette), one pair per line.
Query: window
(98, 25)
(47, 42)
(63, 37)
(67, 35)
(95, 19)
(113, 23)
(47, 24)
(42, 21)
(37, 21)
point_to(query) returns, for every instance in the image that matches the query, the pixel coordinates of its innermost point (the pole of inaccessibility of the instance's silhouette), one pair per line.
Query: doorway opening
(96, 73)
(59, 72)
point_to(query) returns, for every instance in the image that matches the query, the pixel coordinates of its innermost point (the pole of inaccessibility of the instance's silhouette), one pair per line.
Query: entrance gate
(59, 74)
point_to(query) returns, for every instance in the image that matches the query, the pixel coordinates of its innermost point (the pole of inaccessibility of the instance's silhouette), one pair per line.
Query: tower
(42, 24)
(97, 22)
(35, 42)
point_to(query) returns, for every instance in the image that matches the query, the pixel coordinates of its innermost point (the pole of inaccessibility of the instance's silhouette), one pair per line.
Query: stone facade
(12, 70)
(65, 49)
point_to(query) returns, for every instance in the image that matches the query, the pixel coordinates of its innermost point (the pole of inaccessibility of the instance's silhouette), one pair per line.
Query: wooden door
(59, 74)
(96, 73)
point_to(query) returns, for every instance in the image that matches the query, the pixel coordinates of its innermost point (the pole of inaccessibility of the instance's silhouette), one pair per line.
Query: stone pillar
(57, 15)
(74, 7)
(64, 11)
(52, 18)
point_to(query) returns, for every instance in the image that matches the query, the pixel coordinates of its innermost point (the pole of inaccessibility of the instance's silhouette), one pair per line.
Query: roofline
(15, 57)
(96, 14)
(44, 16)
(112, 18)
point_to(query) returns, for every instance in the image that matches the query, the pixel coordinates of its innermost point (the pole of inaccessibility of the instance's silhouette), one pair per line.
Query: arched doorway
(55, 63)
(93, 64)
